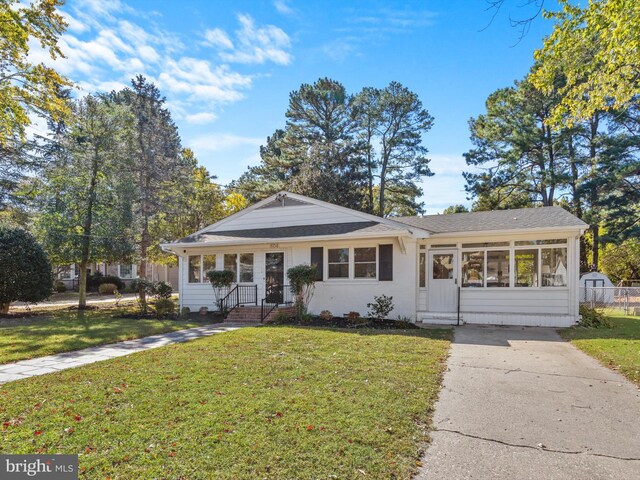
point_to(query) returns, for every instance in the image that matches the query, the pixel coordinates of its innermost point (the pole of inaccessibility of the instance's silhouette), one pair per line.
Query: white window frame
(512, 248)
(351, 263)
(133, 272)
(203, 278)
(253, 267)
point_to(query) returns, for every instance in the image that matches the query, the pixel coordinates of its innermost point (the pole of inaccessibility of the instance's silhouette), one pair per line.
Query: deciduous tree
(85, 202)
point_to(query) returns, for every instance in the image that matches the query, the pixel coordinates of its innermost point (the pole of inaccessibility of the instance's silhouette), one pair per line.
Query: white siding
(338, 296)
(556, 307)
(516, 300)
(534, 320)
(287, 216)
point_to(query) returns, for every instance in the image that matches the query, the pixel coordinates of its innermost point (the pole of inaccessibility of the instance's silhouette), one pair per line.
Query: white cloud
(282, 7)
(196, 78)
(200, 118)
(73, 24)
(109, 43)
(253, 44)
(216, 142)
(216, 37)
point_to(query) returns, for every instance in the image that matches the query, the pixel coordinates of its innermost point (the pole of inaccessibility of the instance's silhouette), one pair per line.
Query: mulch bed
(341, 322)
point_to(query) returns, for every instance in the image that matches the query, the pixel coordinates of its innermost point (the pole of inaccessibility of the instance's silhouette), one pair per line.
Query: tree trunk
(86, 229)
(595, 225)
(142, 267)
(595, 244)
(4, 307)
(576, 201)
(82, 286)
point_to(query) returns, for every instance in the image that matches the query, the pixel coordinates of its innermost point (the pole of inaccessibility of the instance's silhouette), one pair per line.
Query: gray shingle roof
(517, 219)
(288, 232)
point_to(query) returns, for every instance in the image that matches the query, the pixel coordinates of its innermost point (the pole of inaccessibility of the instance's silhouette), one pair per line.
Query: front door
(442, 284)
(274, 277)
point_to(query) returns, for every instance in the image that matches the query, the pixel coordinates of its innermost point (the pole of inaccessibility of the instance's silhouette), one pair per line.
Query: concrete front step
(438, 318)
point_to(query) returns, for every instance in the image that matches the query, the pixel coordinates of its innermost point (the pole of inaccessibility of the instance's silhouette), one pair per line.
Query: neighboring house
(68, 274)
(516, 267)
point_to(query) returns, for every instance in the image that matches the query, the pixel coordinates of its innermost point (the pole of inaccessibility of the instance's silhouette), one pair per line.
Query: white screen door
(442, 287)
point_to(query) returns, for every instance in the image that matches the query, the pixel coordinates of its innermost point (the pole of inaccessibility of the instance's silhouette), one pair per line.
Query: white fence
(619, 300)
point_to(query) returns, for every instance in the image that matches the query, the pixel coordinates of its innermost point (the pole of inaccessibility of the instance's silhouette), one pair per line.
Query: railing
(239, 295)
(276, 296)
(618, 300)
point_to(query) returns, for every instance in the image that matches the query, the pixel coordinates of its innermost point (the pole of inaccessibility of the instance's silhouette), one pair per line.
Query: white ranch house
(508, 267)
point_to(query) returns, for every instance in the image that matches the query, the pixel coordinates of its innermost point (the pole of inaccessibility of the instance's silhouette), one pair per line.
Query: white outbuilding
(596, 287)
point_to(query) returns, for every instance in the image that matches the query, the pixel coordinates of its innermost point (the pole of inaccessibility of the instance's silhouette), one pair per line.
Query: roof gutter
(513, 230)
(254, 241)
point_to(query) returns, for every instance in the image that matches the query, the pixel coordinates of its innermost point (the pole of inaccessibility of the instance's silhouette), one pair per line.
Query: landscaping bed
(346, 322)
(267, 402)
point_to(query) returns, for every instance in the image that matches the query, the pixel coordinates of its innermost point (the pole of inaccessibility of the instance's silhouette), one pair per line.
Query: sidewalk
(71, 302)
(39, 366)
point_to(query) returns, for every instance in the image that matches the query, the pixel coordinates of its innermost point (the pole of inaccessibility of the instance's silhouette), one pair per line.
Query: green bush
(107, 288)
(302, 279)
(381, 307)
(165, 306)
(185, 311)
(95, 280)
(59, 286)
(26, 270)
(593, 318)
(162, 290)
(220, 279)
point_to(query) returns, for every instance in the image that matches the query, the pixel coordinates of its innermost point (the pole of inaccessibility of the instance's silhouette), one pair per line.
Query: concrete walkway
(522, 403)
(61, 361)
(72, 302)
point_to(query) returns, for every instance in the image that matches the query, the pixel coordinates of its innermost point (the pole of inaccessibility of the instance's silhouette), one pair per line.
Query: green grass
(617, 347)
(266, 402)
(64, 330)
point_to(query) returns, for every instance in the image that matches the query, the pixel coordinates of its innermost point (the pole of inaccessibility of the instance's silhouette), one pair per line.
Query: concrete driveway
(522, 403)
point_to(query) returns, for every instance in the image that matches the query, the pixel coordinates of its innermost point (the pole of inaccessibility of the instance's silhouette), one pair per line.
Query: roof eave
(476, 233)
(314, 238)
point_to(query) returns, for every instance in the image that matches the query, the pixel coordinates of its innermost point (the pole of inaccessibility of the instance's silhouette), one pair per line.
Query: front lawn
(266, 402)
(64, 330)
(617, 347)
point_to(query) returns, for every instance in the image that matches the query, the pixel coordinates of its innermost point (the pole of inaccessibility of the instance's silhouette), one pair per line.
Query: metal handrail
(275, 296)
(239, 295)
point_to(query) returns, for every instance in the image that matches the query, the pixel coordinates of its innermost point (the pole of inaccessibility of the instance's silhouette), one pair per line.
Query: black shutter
(385, 257)
(317, 261)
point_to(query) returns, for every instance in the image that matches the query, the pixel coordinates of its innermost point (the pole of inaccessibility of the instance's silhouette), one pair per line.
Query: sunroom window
(554, 267)
(473, 269)
(526, 268)
(498, 268)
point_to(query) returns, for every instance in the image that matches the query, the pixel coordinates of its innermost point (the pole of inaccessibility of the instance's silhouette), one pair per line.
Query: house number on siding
(273, 245)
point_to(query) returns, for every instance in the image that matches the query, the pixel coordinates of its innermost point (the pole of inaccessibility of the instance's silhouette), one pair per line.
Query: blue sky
(227, 68)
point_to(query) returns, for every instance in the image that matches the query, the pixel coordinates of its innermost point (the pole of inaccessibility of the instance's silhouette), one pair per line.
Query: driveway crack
(511, 370)
(539, 448)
